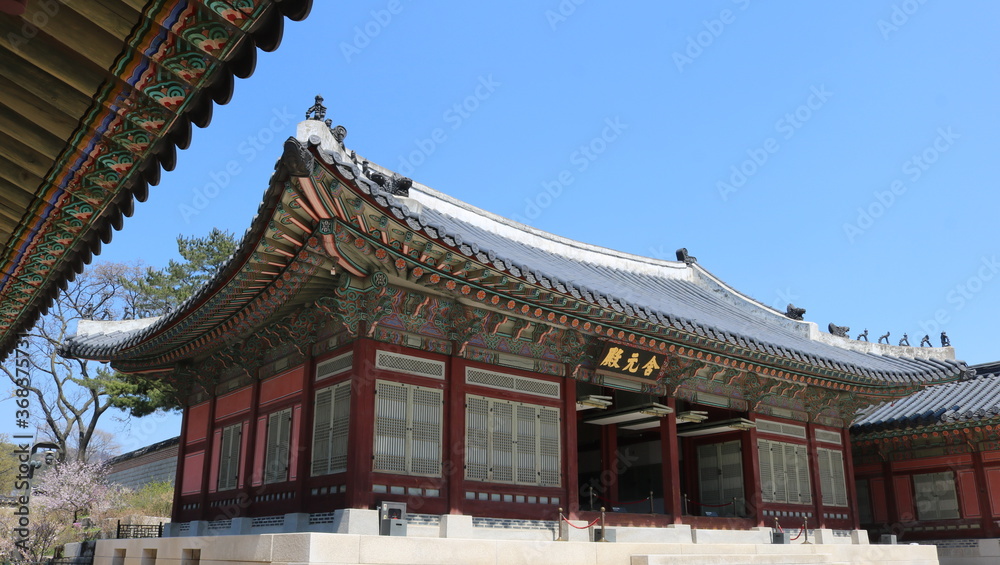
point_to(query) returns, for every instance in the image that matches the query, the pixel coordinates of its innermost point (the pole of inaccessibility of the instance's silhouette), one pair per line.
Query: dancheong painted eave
(95, 99)
(614, 295)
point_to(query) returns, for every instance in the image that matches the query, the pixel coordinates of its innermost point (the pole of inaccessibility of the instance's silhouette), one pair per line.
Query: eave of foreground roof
(95, 99)
(637, 296)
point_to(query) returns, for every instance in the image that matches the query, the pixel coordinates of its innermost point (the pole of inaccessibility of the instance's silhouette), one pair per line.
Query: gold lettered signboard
(629, 361)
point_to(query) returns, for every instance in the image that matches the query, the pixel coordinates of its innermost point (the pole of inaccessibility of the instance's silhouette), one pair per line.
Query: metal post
(805, 529)
(604, 528)
(652, 508)
(685, 503)
(735, 511)
(560, 525)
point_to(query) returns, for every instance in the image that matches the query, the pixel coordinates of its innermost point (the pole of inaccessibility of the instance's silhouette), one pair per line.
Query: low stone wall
(967, 551)
(322, 548)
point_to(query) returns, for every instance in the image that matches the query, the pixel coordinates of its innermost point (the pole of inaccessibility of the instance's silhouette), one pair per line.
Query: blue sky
(838, 156)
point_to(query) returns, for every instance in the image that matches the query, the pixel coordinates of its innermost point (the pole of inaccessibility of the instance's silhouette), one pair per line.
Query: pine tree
(162, 290)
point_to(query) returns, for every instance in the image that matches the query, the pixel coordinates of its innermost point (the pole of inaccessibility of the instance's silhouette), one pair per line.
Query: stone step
(804, 558)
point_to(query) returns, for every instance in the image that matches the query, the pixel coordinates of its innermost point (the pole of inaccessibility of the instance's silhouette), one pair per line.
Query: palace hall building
(928, 466)
(373, 340)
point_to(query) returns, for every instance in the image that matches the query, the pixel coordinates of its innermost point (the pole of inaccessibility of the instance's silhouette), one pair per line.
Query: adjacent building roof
(966, 401)
(96, 98)
(680, 296)
(152, 448)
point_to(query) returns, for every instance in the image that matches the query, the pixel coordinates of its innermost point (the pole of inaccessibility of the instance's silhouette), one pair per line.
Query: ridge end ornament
(794, 313)
(839, 331)
(296, 159)
(684, 257)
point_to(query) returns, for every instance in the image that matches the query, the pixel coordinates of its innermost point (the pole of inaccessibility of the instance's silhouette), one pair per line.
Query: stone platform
(323, 548)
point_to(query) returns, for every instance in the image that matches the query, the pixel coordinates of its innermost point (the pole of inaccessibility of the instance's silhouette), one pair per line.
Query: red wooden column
(814, 479)
(570, 457)
(179, 477)
(892, 506)
(207, 460)
(362, 425)
(305, 432)
(251, 443)
(608, 489)
(453, 466)
(982, 491)
(852, 487)
(670, 464)
(751, 475)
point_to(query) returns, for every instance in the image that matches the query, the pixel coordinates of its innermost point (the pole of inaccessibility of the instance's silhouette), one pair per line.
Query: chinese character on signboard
(630, 361)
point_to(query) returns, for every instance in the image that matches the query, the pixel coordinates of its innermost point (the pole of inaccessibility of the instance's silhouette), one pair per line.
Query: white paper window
(512, 442)
(784, 472)
(279, 431)
(330, 427)
(229, 457)
(407, 429)
(833, 485)
(935, 496)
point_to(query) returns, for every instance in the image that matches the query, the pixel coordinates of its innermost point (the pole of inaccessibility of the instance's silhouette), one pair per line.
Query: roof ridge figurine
(682, 255)
(839, 331)
(794, 313)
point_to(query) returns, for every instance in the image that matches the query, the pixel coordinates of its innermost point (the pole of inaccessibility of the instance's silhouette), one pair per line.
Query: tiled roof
(158, 446)
(971, 400)
(686, 297)
(670, 293)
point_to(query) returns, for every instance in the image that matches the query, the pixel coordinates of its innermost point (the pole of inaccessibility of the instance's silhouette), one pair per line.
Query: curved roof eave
(141, 111)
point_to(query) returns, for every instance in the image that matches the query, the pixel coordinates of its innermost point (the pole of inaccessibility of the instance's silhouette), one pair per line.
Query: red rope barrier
(596, 520)
(710, 505)
(798, 535)
(613, 503)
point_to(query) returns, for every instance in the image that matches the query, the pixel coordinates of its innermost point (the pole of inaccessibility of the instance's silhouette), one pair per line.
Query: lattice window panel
(477, 440)
(335, 366)
(229, 457)
(784, 472)
(826, 436)
(512, 442)
(330, 429)
(425, 431)
(550, 471)
(720, 475)
(780, 428)
(409, 364)
(279, 429)
(935, 496)
(527, 443)
(513, 383)
(502, 440)
(833, 487)
(407, 429)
